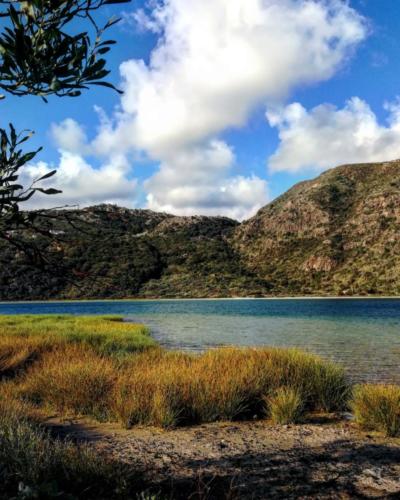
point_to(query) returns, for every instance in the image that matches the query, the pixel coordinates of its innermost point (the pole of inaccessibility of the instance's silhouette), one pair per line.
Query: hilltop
(338, 234)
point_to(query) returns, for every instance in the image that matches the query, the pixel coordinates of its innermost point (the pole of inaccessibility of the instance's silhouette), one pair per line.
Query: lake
(362, 334)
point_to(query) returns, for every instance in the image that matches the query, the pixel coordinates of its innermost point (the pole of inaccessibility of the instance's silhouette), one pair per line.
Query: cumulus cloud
(215, 61)
(82, 184)
(326, 136)
(197, 180)
(69, 136)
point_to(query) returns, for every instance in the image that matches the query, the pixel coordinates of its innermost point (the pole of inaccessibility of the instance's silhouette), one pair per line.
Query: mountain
(338, 234)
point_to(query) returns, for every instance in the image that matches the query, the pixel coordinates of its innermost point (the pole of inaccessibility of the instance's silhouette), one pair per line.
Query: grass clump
(285, 406)
(153, 389)
(71, 379)
(377, 407)
(169, 389)
(323, 385)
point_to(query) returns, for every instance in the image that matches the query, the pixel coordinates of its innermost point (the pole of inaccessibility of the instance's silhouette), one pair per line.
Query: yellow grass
(71, 379)
(285, 406)
(229, 383)
(377, 407)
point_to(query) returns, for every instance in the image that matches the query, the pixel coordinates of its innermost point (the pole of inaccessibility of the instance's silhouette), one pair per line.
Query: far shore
(186, 299)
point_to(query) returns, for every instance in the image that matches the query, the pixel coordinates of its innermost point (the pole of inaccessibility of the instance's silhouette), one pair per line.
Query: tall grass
(168, 389)
(71, 379)
(33, 464)
(285, 406)
(377, 407)
(108, 369)
(222, 384)
(17, 353)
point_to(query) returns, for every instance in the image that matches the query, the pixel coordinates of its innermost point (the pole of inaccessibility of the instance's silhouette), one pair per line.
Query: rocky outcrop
(315, 263)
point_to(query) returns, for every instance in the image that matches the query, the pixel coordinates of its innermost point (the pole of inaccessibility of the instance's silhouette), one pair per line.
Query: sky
(226, 104)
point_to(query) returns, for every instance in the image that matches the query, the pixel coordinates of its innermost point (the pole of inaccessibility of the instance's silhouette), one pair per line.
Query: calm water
(364, 335)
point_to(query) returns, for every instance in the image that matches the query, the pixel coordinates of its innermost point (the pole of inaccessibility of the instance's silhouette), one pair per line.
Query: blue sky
(234, 167)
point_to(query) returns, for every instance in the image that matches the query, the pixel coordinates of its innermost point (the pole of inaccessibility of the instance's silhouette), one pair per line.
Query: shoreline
(185, 299)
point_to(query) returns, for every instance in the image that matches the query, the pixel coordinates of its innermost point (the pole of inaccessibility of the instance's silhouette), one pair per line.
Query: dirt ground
(326, 459)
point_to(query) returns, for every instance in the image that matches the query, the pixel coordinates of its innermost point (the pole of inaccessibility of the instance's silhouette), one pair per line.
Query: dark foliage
(42, 55)
(113, 252)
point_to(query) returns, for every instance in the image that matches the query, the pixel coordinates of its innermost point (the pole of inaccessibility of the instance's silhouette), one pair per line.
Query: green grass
(106, 334)
(35, 464)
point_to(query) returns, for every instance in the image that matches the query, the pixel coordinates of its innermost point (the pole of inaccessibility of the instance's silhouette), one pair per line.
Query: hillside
(115, 252)
(337, 234)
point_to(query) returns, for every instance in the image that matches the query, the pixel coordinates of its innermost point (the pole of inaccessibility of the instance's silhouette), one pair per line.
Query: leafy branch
(39, 56)
(42, 54)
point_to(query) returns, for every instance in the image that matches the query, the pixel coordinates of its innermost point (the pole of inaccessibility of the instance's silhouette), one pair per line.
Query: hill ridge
(336, 234)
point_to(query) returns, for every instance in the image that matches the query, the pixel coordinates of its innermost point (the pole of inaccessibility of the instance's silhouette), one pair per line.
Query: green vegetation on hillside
(114, 252)
(335, 235)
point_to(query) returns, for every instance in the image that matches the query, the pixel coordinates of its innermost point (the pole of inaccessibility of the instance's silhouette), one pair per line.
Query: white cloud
(214, 62)
(82, 184)
(69, 136)
(198, 180)
(217, 59)
(327, 136)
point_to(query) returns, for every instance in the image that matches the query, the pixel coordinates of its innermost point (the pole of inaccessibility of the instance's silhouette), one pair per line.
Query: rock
(347, 416)
(375, 473)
